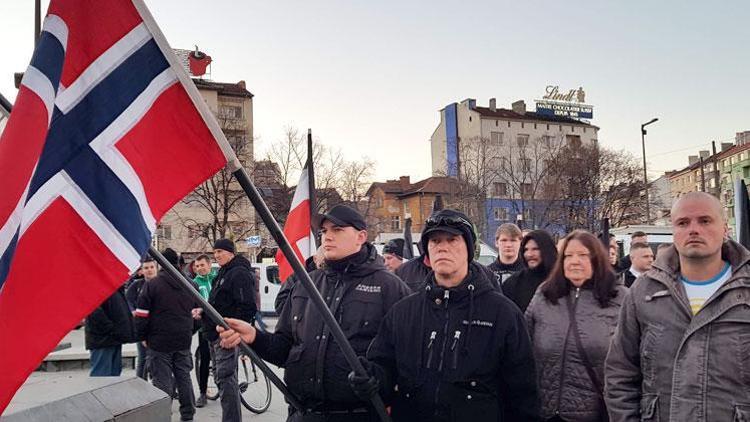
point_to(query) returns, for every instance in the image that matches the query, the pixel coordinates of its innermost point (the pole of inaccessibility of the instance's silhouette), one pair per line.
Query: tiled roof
(435, 184)
(504, 113)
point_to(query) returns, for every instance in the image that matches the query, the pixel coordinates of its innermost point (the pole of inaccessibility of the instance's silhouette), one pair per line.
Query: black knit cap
(342, 216)
(171, 257)
(395, 247)
(450, 221)
(225, 245)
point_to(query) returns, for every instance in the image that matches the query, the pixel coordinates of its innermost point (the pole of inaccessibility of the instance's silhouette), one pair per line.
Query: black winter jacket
(163, 316)
(232, 294)
(459, 354)
(358, 295)
(133, 290)
(504, 271)
(521, 286)
(414, 273)
(111, 324)
(283, 295)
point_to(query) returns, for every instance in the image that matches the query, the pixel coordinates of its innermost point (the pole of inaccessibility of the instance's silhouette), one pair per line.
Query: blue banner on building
(572, 110)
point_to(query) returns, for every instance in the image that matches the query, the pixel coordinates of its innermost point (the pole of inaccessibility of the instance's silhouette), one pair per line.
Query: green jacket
(204, 283)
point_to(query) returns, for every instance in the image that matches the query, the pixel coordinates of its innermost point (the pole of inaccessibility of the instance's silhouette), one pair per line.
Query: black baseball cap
(342, 216)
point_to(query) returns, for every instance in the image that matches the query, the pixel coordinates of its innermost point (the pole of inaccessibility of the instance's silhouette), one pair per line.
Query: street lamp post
(645, 175)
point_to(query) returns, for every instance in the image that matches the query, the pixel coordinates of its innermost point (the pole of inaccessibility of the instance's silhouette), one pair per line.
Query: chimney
(704, 154)
(470, 103)
(493, 104)
(692, 159)
(241, 84)
(519, 107)
(726, 145)
(404, 181)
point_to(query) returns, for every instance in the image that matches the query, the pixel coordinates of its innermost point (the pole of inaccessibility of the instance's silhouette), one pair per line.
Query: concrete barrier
(74, 399)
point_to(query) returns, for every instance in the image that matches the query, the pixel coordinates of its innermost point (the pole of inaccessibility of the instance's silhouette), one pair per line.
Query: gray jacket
(564, 385)
(665, 364)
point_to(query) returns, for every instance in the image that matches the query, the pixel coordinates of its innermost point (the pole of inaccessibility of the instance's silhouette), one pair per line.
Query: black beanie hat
(171, 256)
(395, 246)
(225, 245)
(450, 221)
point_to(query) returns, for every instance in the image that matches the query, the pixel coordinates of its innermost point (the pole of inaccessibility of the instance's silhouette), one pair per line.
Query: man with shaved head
(682, 346)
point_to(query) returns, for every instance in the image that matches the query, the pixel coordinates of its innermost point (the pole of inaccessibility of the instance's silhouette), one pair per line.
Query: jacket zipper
(445, 340)
(430, 349)
(456, 336)
(565, 347)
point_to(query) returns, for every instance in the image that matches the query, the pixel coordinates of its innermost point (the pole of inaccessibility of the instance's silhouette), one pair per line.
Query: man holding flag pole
(108, 133)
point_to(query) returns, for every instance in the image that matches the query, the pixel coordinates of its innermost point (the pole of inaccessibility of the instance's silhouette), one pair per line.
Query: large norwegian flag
(107, 133)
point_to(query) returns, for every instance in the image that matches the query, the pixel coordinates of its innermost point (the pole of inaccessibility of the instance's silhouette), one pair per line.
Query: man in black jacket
(233, 296)
(359, 291)
(147, 272)
(508, 243)
(164, 322)
(107, 329)
(459, 349)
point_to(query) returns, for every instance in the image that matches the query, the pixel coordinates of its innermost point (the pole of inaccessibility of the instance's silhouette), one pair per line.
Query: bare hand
(238, 331)
(196, 312)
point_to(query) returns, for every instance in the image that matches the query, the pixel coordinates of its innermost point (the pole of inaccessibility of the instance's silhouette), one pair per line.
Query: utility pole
(645, 174)
(715, 167)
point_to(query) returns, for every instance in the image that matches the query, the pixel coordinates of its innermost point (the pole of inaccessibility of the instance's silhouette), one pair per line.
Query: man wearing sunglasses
(359, 291)
(458, 350)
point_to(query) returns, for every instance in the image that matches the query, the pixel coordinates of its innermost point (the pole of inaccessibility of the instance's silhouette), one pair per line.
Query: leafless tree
(219, 208)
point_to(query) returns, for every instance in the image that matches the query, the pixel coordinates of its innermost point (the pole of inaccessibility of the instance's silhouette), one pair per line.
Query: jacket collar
(667, 266)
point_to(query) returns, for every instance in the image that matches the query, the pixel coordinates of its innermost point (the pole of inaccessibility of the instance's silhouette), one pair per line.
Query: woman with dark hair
(538, 255)
(571, 320)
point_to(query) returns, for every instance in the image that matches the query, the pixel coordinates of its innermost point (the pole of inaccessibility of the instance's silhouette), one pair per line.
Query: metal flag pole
(304, 278)
(211, 313)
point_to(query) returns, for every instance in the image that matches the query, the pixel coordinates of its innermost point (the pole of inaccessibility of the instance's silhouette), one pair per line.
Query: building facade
(507, 154)
(186, 228)
(391, 202)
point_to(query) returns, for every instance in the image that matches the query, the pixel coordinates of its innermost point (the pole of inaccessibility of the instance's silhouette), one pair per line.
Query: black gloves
(366, 386)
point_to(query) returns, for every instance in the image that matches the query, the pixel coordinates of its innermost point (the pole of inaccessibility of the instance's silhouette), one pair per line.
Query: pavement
(277, 411)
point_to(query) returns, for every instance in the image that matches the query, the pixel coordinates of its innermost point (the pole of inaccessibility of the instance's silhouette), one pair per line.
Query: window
(522, 140)
(526, 189)
(230, 112)
(526, 165)
(406, 208)
(496, 138)
(195, 231)
(547, 141)
(499, 189)
(164, 232)
(500, 214)
(573, 141)
(395, 222)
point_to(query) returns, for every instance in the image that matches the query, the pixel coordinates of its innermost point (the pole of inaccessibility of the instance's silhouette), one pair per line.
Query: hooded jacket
(521, 286)
(232, 294)
(564, 385)
(666, 364)
(359, 291)
(458, 354)
(110, 324)
(163, 317)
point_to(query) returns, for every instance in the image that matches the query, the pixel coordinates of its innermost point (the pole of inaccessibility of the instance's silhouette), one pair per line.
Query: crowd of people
(550, 331)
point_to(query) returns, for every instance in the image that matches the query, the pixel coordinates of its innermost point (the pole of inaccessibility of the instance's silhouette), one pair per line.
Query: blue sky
(370, 77)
